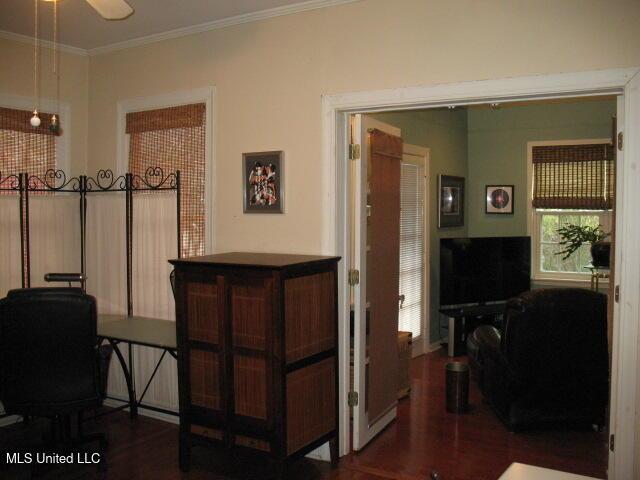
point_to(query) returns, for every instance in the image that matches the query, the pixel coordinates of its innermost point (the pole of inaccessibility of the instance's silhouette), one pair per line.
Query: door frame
(336, 235)
(424, 345)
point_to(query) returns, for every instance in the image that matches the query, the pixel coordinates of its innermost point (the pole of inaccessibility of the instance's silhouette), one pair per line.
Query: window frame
(534, 217)
(204, 95)
(63, 160)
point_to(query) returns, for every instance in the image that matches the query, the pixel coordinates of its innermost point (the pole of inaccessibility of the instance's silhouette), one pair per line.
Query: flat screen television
(481, 270)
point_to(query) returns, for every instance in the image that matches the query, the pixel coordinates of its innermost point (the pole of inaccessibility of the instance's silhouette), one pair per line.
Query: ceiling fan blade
(111, 9)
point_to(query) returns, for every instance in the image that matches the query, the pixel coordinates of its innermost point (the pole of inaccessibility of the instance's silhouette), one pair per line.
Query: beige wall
(270, 76)
(17, 77)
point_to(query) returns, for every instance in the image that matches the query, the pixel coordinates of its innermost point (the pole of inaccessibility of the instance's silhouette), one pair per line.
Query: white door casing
(336, 237)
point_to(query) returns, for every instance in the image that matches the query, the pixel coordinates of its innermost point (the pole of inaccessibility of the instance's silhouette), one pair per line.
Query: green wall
(497, 154)
(444, 132)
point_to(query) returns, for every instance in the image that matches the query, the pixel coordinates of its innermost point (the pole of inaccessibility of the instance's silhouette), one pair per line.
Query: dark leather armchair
(49, 365)
(549, 362)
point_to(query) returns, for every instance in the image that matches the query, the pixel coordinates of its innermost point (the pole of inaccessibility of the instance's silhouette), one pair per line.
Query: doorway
(339, 107)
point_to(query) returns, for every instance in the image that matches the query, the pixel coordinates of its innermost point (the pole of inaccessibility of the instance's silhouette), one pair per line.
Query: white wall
(270, 76)
(17, 78)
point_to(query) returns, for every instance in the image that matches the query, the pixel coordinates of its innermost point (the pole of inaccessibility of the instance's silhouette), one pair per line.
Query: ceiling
(82, 27)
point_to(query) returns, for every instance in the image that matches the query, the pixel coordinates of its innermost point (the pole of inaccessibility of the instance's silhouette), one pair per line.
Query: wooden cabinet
(257, 352)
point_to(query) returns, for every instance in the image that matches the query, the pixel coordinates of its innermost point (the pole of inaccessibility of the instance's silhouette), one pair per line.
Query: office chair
(49, 360)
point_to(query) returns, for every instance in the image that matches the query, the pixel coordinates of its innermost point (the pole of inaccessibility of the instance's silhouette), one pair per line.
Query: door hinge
(612, 444)
(353, 399)
(620, 140)
(616, 294)
(354, 277)
(354, 151)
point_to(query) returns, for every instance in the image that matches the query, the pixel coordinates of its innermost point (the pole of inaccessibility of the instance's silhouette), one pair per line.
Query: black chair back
(48, 360)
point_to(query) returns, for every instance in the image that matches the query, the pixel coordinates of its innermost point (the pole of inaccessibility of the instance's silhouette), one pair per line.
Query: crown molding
(17, 37)
(218, 24)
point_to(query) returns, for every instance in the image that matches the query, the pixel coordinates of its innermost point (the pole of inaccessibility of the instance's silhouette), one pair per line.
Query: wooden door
(376, 254)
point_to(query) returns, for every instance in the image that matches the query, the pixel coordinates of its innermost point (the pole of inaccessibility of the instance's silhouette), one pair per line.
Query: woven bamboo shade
(174, 139)
(24, 148)
(574, 177)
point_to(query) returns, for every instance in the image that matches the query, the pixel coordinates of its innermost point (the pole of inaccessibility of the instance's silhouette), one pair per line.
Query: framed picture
(499, 199)
(263, 185)
(450, 201)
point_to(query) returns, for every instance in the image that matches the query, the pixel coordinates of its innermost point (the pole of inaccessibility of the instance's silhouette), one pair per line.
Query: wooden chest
(257, 353)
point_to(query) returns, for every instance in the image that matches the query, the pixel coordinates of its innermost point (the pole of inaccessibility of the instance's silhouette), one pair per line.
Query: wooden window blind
(411, 248)
(574, 176)
(174, 139)
(24, 148)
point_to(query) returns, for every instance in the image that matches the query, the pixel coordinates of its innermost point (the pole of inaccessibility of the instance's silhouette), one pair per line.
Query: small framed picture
(263, 185)
(450, 201)
(499, 199)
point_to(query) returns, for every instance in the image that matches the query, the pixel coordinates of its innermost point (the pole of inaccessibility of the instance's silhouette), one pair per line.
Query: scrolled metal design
(154, 179)
(106, 180)
(54, 181)
(10, 182)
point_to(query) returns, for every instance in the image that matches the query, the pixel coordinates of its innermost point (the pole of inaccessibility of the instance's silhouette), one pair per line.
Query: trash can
(457, 385)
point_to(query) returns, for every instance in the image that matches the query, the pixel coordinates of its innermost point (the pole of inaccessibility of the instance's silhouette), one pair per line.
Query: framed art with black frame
(262, 182)
(499, 199)
(450, 201)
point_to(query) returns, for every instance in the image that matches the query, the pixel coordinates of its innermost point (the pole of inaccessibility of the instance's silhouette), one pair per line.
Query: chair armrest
(488, 339)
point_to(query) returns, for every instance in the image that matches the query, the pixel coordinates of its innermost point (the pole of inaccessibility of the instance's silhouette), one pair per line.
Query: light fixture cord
(36, 59)
(56, 56)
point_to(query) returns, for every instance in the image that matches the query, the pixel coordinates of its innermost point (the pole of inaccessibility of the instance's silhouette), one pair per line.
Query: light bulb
(35, 120)
(55, 125)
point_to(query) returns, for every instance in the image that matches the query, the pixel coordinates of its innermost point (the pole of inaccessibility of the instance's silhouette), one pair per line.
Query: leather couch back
(556, 336)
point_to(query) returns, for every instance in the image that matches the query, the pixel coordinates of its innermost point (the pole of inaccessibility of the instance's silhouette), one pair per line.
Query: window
(174, 139)
(24, 148)
(572, 183)
(548, 222)
(411, 248)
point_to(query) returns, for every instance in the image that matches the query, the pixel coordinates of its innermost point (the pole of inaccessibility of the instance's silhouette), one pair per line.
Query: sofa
(548, 364)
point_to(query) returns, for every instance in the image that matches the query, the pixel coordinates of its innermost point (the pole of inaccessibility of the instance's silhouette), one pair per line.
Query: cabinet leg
(184, 454)
(333, 452)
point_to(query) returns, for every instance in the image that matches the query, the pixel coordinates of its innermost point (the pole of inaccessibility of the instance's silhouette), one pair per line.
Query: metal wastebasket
(457, 386)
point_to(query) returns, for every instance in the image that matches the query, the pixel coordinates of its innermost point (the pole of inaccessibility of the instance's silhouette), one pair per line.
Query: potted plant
(573, 236)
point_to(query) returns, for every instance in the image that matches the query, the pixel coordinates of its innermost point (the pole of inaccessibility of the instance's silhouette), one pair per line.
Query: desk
(148, 332)
(520, 471)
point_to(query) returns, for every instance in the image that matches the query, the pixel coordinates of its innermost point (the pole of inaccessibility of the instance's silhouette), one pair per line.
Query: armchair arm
(488, 339)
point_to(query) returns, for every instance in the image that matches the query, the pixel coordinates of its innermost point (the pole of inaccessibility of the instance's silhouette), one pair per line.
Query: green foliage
(573, 236)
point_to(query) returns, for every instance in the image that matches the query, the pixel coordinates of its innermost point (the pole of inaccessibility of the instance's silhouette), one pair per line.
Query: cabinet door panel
(204, 372)
(203, 322)
(251, 314)
(250, 386)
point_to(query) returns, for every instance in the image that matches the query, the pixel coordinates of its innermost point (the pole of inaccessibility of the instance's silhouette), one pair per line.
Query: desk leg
(133, 406)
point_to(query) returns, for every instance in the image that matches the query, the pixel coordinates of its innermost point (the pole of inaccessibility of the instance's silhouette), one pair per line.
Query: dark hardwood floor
(424, 438)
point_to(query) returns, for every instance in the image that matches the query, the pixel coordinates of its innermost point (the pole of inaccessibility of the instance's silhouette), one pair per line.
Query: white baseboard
(435, 346)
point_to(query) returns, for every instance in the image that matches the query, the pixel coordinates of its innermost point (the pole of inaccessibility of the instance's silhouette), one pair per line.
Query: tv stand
(462, 319)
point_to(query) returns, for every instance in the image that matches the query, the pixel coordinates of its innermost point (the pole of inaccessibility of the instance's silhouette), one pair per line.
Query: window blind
(174, 139)
(411, 248)
(24, 148)
(574, 176)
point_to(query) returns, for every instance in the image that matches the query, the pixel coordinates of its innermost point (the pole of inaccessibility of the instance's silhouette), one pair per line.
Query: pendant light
(35, 119)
